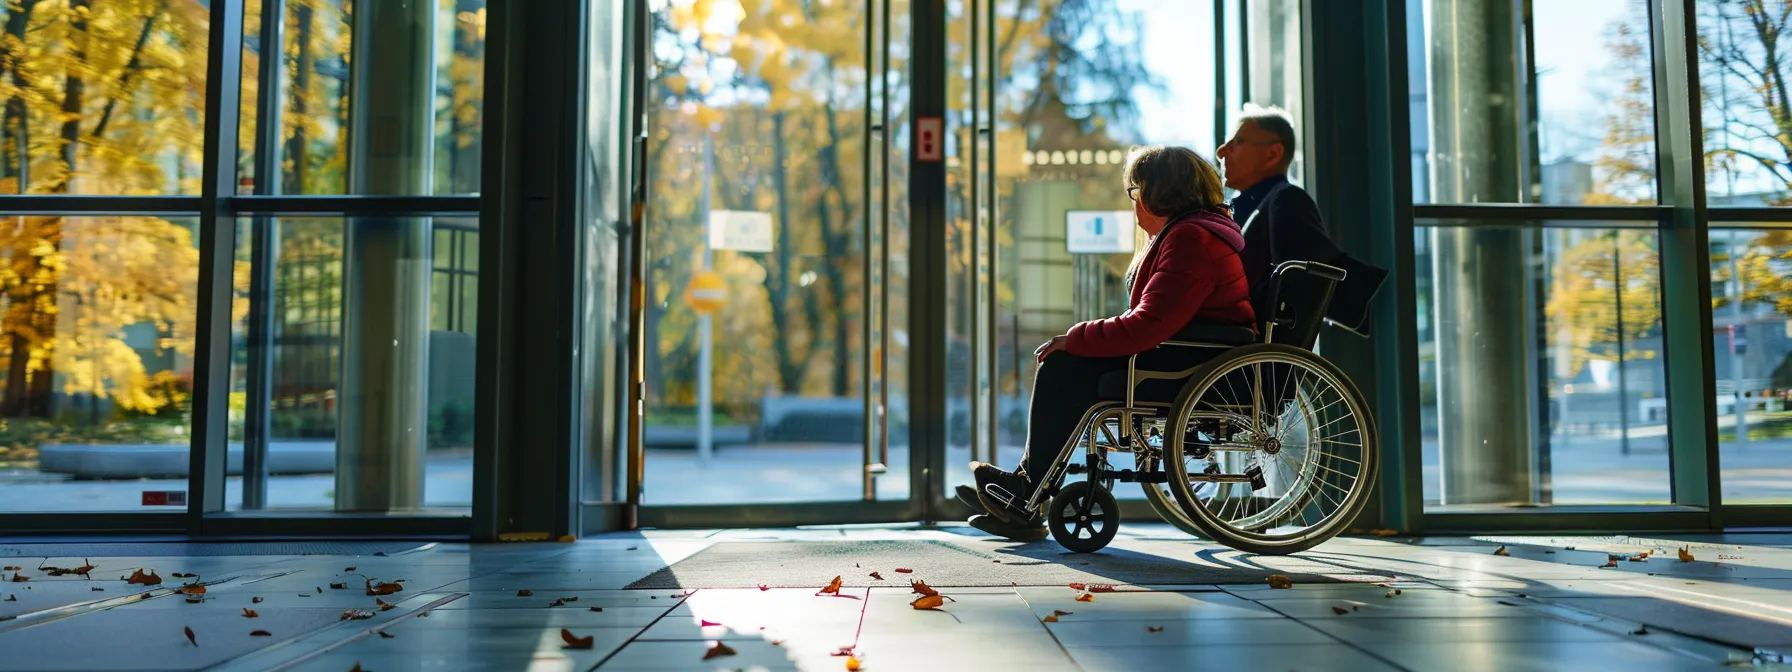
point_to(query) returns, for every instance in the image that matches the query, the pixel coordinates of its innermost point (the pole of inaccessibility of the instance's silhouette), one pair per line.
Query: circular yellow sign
(707, 293)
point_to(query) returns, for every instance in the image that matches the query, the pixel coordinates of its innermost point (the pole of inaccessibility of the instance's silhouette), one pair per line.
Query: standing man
(1255, 163)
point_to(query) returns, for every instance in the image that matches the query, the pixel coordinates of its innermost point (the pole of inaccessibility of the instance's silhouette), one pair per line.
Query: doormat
(799, 564)
(160, 549)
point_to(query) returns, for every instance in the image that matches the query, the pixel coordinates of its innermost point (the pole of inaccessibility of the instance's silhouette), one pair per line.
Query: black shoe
(967, 495)
(1029, 532)
(1017, 488)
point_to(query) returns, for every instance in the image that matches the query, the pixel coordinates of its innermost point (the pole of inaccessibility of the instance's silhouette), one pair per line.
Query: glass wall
(1752, 339)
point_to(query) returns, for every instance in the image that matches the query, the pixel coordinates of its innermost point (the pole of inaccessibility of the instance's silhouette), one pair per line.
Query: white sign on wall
(740, 230)
(1098, 231)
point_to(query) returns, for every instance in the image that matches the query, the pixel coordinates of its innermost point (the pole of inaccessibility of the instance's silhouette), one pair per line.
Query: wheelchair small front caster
(1083, 517)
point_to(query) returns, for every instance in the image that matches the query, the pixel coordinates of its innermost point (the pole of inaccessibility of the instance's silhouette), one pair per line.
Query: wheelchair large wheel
(1164, 502)
(1083, 517)
(1271, 449)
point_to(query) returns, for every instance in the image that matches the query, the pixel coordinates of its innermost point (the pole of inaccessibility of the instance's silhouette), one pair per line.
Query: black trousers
(1067, 386)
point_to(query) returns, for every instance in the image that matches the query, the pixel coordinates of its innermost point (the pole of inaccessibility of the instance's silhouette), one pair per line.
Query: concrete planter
(97, 461)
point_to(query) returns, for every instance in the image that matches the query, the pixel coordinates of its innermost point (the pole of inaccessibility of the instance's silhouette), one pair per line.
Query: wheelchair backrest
(1295, 303)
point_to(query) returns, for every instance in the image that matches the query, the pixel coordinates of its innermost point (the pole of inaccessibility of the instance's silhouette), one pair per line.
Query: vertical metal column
(927, 261)
(264, 245)
(1485, 395)
(382, 431)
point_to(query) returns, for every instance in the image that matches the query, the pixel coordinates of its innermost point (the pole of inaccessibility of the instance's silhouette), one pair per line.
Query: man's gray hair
(1275, 121)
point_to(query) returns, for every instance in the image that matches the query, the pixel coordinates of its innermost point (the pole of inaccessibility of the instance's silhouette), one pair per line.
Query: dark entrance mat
(797, 564)
(205, 549)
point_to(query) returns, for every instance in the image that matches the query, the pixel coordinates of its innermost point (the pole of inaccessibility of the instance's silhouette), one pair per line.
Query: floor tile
(1535, 656)
(1301, 657)
(1072, 632)
(1365, 631)
(1146, 604)
(1399, 607)
(571, 616)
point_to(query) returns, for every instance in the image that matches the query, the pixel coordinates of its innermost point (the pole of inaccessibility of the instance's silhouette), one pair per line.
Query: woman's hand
(1057, 343)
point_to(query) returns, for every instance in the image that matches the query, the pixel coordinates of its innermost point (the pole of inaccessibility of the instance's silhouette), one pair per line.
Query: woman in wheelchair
(1190, 273)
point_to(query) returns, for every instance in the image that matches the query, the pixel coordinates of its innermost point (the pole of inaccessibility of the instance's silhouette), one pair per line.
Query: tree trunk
(836, 240)
(296, 154)
(15, 164)
(777, 280)
(74, 98)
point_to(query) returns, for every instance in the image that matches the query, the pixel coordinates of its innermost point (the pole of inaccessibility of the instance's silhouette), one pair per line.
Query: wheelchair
(1267, 448)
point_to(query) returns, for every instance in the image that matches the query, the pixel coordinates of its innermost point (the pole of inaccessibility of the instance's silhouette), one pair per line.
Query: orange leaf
(1051, 619)
(1280, 582)
(1685, 555)
(928, 602)
(19, 578)
(1085, 597)
(1078, 586)
(852, 664)
(355, 615)
(921, 588)
(1340, 611)
(383, 588)
(904, 570)
(383, 605)
(1101, 588)
(250, 613)
(190, 636)
(763, 587)
(833, 588)
(718, 650)
(1610, 563)
(1501, 551)
(141, 579)
(192, 589)
(261, 633)
(9, 568)
(573, 642)
(877, 576)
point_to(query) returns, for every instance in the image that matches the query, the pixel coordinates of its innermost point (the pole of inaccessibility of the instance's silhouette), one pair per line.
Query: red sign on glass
(164, 498)
(929, 139)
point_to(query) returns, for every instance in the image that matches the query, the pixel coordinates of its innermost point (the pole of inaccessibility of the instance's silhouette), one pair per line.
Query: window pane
(1541, 366)
(334, 367)
(1752, 316)
(1748, 136)
(1556, 107)
(102, 100)
(425, 112)
(97, 387)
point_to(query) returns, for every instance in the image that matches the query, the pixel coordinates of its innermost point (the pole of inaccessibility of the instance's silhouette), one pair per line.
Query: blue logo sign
(1095, 226)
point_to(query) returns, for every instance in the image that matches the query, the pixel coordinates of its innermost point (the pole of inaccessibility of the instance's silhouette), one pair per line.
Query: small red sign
(164, 498)
(929, 139)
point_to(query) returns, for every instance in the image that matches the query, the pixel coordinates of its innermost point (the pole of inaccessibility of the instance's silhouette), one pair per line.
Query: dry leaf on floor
(348, 569)
(19, 578)
(1050, 619)
(569, 600)
(339, 586)
(597, 609)
(1340, 611)
(11, 598)
(192, 589)
(255, 600)
(9, 568)
(1389, 594)
(304, 594)
(355, 615)
(718, 650)
(383, 588)
(929, 602)
(763, 587)
(260, 633)
(1085, 597)
(190, 636)
(573, 642)
(1501, 551)
(1639, 558)
(320, 589)
(387, 635)
(1609, 563)
(357, 667)
(777, 642)
(250, 613)
(1101, 588)
(1077, 586)
(921, 588)
(1685, 555)
(833, 588)
(525, 593)
(904, 570)
(877, 576)
(567, 538)
(179, 575)
(1154, 628)
(98, 589)
(1280, 582)
(852, 664)
(557, 603)
(384, 605)
(706, 623)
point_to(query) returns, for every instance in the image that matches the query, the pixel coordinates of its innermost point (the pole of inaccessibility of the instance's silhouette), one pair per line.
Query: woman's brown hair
(1173, 180)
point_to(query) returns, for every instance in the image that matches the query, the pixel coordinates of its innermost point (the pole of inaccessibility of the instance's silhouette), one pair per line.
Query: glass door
(765, 326)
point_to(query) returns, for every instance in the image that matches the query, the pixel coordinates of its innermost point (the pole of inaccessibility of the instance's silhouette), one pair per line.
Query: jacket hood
(1221, 226)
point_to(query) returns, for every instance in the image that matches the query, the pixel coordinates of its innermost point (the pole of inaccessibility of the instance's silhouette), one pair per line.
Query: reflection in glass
(307, 348)
(98, 344)
(1752, 317)
(1742, 81)
(1570, 409)
(1524, 110)
(104, 100)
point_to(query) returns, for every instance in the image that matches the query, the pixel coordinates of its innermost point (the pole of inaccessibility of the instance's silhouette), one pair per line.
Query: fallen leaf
(304, 594)
(921, 588)
(1639, 558)
(384, 605)
(1101, 588)
(190, 636)
(1085, 597)
(1501, 551)
(1640, 630)
(705, 623)
(833, 588)
(877, 576)
(525, 593)
(597, 609)
(1061, 612)
(386, 635)
(928, 602)
(573, 642)
(357, 667)
(260, 633)
(574, 598)
(195, 599)
(1685, 556)
(383, 588)
(348, 569)
(1279, 582)
(1340, 611)
(718, 650)
(339, 586)
(777, 642)
(179, 575)
(1609, 564)
(19, 578)
(842, 651)
(1389, 594)
(1050, 619)
(904, 570)
(852, 664)
(763, 587)
(1154, 628)
(9, 568)
(250, 613)
(566, 538)
(1077, 586)
(98, 589)
(355, 615)
(557, 603)
(192, 589)
(320, 589)
(255, 600)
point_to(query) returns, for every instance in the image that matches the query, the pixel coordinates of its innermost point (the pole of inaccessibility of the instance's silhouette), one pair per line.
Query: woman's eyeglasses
(1132, 193)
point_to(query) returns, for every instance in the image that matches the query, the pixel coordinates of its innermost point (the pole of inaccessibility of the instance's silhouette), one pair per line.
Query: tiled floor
(1547, 605)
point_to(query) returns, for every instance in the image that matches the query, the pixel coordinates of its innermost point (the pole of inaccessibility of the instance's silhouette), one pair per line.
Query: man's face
(1251, 155)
